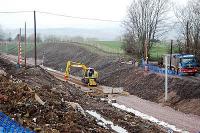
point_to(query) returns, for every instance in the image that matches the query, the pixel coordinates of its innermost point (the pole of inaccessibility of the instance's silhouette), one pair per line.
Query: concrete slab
(111, 90)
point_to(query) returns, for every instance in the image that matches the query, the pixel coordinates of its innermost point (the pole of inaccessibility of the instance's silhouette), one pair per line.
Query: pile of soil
(53, 116)
(19, 100)
(53, 110)
(184, 94)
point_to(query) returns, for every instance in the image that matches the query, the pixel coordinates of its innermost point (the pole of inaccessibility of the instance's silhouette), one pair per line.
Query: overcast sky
(101, 9)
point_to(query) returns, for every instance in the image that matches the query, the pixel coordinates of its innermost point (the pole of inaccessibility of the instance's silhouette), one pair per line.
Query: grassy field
(112, 47)
(158, 50)
(111, 44)
(108, 46)
(12, 48)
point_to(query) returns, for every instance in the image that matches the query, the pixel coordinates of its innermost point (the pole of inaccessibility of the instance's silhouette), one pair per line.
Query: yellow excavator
(89, 74)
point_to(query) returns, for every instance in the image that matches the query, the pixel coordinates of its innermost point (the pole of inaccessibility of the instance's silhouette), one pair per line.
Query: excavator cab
(90, 77)
(89, 74)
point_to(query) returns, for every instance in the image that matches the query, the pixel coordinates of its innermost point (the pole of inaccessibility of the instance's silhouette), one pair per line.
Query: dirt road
(188, 122)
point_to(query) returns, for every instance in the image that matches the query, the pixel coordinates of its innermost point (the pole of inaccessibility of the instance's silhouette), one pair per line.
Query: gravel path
(183, 121)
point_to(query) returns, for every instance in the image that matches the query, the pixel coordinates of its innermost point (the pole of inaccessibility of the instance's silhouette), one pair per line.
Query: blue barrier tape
(157, 69)
(7, 125)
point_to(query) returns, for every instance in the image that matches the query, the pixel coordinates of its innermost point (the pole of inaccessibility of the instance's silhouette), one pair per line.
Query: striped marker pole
(20, 54)
(19, 49)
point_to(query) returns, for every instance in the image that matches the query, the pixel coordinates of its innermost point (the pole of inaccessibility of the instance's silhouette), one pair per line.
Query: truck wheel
(194, 74)
(181, 74)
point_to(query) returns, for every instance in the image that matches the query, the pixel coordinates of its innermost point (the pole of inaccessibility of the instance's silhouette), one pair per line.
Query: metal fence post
(166, 80)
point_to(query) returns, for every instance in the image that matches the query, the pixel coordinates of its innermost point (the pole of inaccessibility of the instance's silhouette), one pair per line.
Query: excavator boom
(89, 74)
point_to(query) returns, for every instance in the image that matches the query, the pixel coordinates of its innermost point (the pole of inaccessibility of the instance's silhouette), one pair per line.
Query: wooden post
(187, 36)
(25, 44)
(35, 39)
(170, 61)
(19, 48)
(146, 52)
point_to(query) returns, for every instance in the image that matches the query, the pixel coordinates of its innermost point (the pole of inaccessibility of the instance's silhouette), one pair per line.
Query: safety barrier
(157, 69)
(7, 125)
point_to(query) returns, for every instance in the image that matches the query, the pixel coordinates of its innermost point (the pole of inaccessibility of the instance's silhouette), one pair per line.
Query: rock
(3, 98)
(37, 98)
(2, 72)
(77, 107)
(34, 120)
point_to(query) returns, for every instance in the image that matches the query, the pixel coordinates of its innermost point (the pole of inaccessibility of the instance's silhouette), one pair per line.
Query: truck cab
(187, 64)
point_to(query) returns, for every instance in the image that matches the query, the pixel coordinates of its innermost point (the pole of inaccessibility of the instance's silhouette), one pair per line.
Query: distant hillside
(101, 34)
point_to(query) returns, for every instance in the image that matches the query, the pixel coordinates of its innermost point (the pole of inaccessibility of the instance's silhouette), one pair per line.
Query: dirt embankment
(184, 94)
(57, 55)
(54, 110)
(20, 90)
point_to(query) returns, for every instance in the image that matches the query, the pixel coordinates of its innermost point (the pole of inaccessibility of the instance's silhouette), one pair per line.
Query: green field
(108, 46)
(158, 50)
(111, 44)
(12, 48)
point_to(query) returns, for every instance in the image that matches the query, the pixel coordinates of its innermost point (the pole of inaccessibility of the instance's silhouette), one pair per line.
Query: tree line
(45, 38)
(148, 20)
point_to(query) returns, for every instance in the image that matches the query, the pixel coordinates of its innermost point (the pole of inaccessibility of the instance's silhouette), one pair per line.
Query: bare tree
(189, 18)
(145, 21)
